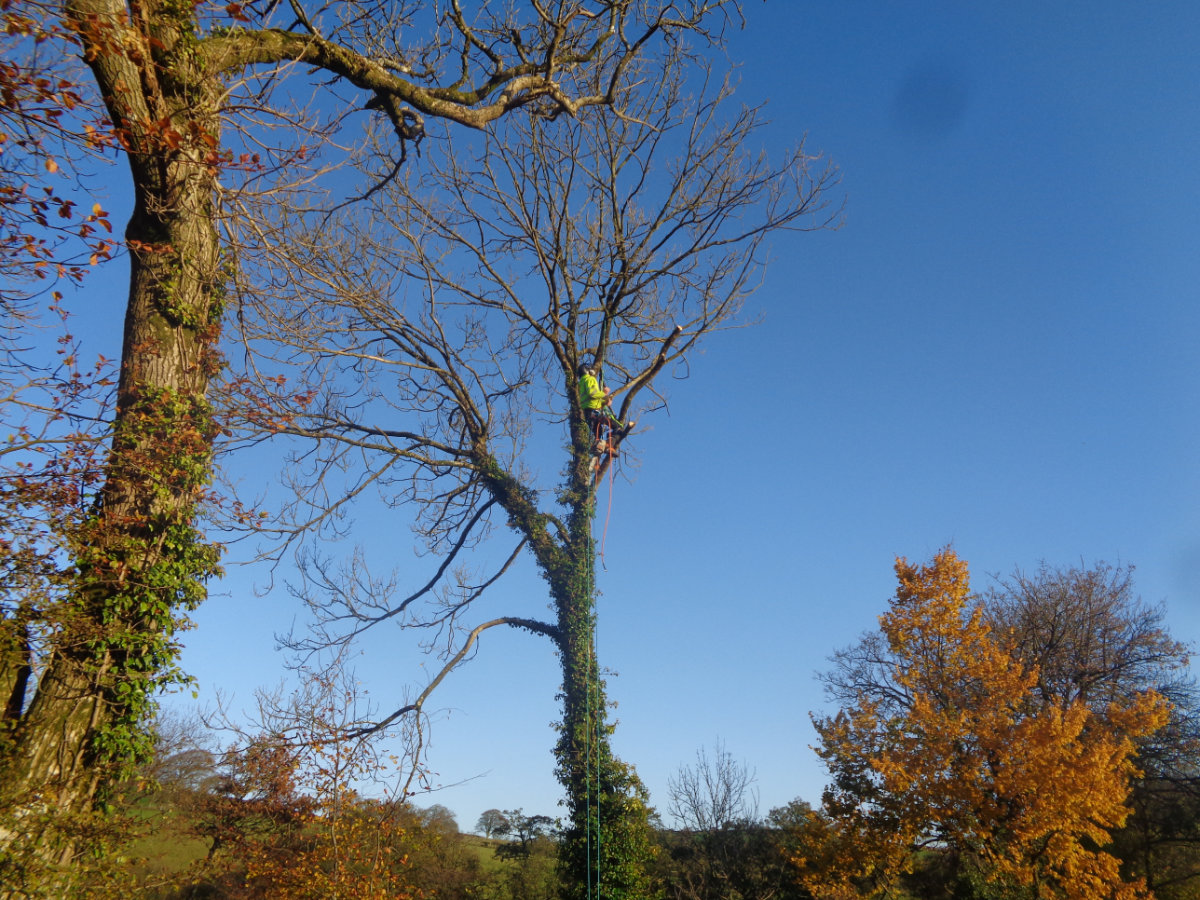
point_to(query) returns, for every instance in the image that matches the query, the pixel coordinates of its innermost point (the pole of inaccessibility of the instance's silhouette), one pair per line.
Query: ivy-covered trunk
(607, 843)
(140, 561)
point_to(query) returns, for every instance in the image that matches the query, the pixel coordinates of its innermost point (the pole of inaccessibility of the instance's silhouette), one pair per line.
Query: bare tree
(1087, 632)
(717, 792)
(439, 347)
(171, 76)
(722, 850)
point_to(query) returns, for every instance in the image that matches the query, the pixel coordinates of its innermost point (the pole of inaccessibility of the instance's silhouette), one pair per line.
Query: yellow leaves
(1147, 713)
(970, 755)
(353, 852)
(946, 579)
(833, 857)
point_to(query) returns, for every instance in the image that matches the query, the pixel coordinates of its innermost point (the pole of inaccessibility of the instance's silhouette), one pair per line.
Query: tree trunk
(140, 561)
(607, 842)
(607, 845)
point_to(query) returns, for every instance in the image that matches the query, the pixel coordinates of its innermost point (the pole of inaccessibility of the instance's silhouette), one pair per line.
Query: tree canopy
(173, 80)
(428, 355)
(952, 745)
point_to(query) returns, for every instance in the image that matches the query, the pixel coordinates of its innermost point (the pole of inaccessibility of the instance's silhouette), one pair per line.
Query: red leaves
(43, 233)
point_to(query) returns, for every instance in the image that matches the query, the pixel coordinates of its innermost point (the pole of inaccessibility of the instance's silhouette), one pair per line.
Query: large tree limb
(417, 706)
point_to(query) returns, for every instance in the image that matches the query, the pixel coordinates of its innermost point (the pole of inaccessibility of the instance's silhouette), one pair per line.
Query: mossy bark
(139, 561)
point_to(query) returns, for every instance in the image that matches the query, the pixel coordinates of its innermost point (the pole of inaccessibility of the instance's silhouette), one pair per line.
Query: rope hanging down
(605, 434)
(593, 733)
(610, 451)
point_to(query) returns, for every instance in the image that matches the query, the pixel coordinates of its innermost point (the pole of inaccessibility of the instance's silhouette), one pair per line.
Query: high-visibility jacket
(591, 396)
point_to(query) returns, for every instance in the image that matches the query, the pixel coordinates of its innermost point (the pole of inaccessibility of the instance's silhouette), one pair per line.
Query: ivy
(144, 582)
(608, 842)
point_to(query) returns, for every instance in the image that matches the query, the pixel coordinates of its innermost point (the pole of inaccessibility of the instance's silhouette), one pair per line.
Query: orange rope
(604, 427)
(608, 513)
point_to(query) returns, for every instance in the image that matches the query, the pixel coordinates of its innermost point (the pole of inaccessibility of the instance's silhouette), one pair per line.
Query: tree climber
(593, 400)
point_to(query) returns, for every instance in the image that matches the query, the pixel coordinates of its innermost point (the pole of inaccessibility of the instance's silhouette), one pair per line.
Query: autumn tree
(50, 131)
(438, 350)
(954, 749)
(1093, 639)
(171, 77)
(50, 462)
(281, 822)
(796, 827)
(53, 401)
(284, 811)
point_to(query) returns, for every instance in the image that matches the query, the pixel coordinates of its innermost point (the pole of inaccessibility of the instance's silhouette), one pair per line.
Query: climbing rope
(592, 731)
(597, 745)
(592, 735)
(612, 465)
(590, 739)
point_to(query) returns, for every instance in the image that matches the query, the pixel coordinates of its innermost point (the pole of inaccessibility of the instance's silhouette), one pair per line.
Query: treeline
(1036, 740)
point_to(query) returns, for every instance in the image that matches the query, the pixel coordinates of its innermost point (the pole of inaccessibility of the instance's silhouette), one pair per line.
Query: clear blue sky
(997, 350)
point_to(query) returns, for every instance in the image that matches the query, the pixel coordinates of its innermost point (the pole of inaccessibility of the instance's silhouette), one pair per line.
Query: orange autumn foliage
(972, 762)
(284, 823)
(354, 854)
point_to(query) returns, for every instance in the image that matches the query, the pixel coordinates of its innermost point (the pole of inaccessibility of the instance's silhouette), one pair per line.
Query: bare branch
(418, 705)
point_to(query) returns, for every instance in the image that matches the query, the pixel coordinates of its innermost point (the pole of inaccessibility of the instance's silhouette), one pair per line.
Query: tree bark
(606, 845)
(141, 563)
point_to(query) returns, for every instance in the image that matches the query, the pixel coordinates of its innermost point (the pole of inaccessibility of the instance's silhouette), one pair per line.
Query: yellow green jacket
(591, 396)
